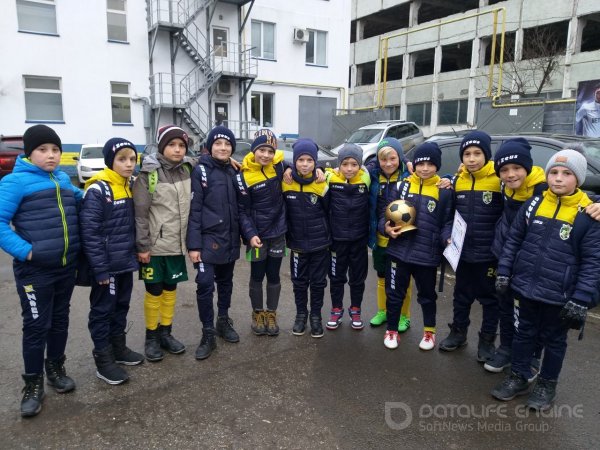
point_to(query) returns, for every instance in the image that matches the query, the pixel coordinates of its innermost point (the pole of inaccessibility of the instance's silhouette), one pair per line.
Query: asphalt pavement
(345, 390)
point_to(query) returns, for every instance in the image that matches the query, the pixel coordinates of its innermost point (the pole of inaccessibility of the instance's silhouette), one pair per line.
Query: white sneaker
(428, 341)
(391, 338)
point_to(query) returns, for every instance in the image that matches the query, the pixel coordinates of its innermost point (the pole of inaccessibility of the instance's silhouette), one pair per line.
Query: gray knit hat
(572, 160)
(350, 151)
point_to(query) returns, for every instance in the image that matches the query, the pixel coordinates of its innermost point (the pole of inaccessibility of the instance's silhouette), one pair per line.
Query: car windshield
(592, 148)
(91, 153)
(365, 136)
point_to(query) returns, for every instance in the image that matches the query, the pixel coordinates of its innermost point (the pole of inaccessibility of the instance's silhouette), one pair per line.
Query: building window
(43, 99)
(263, 40)
(419, 113)
(220, 42)
(116, 18)
(452, 112)
(37, 16)
(120, 102)
(316, 48)
(262, 109)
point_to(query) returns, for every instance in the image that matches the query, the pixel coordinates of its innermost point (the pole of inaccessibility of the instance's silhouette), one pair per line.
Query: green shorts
(164, 269)
(379, 259)
(275, 248)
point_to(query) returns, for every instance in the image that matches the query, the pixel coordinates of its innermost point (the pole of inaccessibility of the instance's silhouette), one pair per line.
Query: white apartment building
(439, 53)
(96, 69)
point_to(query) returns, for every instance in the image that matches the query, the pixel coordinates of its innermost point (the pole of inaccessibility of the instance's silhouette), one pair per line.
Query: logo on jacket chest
(431, 206)
(361, 189)
(118, 202)
(565, 231)
(487, 197)
(259, 186)
(314, 198)
(336, 186)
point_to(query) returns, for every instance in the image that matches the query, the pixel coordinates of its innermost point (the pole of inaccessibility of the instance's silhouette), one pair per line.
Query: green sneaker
(379, 319)
(404, 324)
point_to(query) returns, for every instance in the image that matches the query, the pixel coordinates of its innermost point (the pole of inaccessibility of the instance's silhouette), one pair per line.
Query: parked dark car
(543, 145)
(10, 148)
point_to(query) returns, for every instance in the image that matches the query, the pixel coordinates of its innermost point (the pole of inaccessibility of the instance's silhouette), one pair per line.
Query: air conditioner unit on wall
(225, 87)
(300, 35)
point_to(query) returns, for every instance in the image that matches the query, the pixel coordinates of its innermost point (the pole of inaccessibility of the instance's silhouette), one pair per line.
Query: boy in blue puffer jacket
(41, 203)
(107, 221)
(349, 221)
(308, 236)
(418, 253)
(213, 237)
(551, 262)
(263, 226)
(520, 181)
(478, 199)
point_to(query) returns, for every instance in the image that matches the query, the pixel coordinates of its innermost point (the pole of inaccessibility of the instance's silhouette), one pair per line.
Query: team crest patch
(565, 231)
(313, 199)
(487, 197)
(394, 265)
(361, 189)
(431, 206)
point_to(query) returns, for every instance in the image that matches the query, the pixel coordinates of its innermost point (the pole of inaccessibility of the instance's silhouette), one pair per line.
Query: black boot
(316, 327)
(33, 394)
(486, 347)
(108, 370)
(510, 387)
(457, 338)
(225, 329)
(123, 354)
(542, 396)
(299, 324)
(56, 375)
(152, 346)
(168, 342)
(208, 343)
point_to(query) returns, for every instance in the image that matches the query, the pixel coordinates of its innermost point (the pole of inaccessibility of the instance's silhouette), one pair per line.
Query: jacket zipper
(63, 219)
(544, 240)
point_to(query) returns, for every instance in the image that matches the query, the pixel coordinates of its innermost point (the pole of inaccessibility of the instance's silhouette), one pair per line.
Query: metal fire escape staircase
(184, 93)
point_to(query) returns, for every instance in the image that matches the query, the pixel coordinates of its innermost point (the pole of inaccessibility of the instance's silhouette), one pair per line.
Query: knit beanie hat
(169, 132)
(478, 139)
(38, 135)
(305, 146)
(220, 132)
(391, 142)
(572, 160)
(112, 147)
(264, 138)
(350, 151)
(514, 151)
(428, 151)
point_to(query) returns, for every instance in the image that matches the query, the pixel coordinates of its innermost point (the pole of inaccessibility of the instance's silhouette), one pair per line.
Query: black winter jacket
(349, 206)
(213, 227)
(107, 221)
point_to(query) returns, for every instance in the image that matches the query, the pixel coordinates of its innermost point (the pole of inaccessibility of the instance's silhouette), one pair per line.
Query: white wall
(85, 61)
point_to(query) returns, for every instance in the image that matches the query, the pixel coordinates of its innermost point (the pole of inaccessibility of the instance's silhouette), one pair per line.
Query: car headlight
(86, 169)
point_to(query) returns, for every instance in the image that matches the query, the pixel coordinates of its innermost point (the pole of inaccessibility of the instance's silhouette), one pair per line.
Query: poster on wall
(587, 116)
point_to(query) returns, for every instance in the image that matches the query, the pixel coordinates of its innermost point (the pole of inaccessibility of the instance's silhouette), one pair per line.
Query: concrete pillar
(437, 66)
(413, 14)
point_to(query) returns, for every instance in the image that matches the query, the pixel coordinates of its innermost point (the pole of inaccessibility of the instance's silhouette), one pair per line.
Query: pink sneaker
(335, 318)
(428, 341)
(391, 339)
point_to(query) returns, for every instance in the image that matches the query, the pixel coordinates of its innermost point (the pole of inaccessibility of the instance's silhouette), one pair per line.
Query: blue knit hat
(514, 151)
(350, 151)
(391, 142)
(112, 147)
(305, 146)
(220, 132)
(478, 139)
(428, 151)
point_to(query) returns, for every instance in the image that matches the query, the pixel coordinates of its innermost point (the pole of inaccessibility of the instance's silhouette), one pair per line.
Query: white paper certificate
(453, 250)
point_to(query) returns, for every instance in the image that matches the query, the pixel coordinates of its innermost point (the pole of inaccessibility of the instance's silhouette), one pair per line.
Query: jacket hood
(23, 164)
(155, 160)
(536, 177)
(485, 171)
(119, 185)
(249, 161)
(414, 178)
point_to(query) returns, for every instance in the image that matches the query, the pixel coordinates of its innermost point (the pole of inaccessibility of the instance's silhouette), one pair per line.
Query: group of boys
(543, 251)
